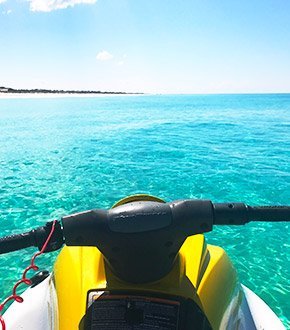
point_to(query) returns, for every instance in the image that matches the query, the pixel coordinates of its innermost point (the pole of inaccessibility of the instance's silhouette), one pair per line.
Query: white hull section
(38, 311)
(249, 312)
(261, 315)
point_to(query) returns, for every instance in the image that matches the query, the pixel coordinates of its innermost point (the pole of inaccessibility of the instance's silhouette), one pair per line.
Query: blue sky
(159, 46)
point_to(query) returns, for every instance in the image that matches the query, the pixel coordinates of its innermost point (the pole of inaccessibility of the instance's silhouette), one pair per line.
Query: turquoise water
(63, 155)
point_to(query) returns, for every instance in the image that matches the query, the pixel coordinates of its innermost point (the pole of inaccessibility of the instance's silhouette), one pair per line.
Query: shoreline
(60, 95)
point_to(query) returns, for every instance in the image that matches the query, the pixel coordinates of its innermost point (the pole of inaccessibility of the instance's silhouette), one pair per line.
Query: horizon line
(90, 91)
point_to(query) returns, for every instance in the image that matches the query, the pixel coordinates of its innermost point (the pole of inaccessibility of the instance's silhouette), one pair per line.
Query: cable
(14, 296)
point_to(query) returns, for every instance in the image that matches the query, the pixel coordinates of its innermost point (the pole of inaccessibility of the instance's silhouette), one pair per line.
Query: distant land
(8, 90)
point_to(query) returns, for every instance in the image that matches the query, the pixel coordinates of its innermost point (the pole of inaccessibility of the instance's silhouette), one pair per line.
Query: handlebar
(240, 213)
(188, 216)
(269, 213)
(35, 237)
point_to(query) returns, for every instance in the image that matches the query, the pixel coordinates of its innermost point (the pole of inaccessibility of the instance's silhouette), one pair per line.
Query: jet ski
(144, 264)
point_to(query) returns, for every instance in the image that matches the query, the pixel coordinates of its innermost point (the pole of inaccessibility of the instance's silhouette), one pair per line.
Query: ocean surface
(63, 155)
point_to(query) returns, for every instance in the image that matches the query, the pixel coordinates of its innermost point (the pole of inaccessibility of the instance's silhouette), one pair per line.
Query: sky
(151, 46)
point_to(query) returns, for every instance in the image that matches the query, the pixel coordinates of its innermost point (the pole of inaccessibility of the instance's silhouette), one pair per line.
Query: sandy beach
(56, 95)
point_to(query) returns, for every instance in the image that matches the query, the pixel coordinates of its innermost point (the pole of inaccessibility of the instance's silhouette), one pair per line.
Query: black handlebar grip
(35, 237)
(269, 213)
(240, 214)
(230, 213)
(16, 242)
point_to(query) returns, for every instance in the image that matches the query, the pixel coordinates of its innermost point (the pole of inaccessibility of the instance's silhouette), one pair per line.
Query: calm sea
(62, 155)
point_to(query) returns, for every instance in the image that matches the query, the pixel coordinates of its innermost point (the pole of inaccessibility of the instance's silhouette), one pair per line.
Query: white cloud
(2, 1)
(50, 5)
(104, 56)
